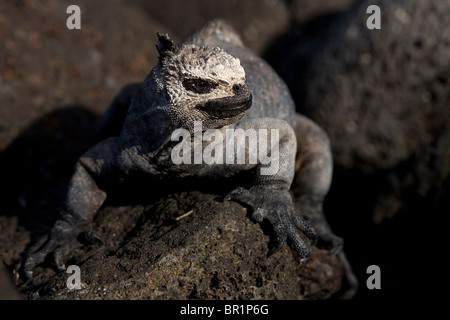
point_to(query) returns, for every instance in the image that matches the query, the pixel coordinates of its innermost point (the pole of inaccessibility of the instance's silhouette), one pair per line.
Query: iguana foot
(63, 238)
(274, 204)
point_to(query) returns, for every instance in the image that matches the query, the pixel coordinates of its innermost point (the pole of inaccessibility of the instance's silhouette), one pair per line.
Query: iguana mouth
(229, 106)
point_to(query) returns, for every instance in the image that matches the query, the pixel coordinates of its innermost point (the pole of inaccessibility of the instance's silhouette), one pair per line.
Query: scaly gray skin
(197, 81)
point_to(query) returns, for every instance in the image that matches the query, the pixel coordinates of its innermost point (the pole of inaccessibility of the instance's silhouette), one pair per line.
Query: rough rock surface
(45, 66)
(258, 21)
(306, 10)
(382, 95)
(215, 252)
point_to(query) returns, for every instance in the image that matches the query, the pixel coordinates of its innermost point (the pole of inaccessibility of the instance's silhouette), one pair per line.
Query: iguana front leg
(84, 198)
(270, 197)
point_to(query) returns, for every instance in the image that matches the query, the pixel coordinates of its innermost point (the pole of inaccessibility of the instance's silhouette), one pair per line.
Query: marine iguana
(215, 79)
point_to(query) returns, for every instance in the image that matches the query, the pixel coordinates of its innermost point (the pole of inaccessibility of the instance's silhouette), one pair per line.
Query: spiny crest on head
(194, 61)
(165, 46)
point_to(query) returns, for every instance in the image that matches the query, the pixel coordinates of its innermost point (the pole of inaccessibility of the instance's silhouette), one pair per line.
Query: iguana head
(202, 84)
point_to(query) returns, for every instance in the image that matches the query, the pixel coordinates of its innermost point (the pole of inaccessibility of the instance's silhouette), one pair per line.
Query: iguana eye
(199, 86)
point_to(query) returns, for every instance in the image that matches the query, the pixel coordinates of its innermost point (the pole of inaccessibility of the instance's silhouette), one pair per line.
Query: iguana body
(199, 82)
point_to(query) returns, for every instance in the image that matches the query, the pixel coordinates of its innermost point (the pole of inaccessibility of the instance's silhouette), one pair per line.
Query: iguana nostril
(237, 88)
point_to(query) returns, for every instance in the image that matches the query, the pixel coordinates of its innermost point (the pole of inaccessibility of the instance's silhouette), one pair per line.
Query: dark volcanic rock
(306, 10)
(381, 95)
(46, 66)
(258, 21)
(165, 251)
(418, 184)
